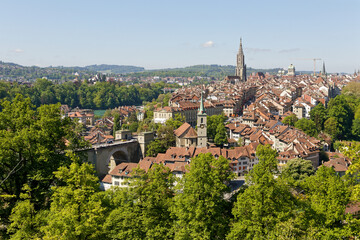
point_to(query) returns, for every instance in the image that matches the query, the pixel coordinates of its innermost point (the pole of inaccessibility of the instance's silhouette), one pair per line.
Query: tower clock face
(202, 125)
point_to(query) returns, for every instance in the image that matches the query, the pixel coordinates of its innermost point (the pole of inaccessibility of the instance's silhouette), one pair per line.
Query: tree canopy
(200, 208)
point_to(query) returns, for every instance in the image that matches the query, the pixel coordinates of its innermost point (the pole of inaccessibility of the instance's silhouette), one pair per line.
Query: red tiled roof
(107, 179)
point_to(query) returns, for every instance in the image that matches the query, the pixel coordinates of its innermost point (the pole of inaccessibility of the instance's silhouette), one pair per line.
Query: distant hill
(114, 69)
(16, 72)
(215, 71)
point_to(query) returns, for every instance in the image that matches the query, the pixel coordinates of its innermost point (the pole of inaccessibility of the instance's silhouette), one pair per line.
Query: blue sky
(171, 33)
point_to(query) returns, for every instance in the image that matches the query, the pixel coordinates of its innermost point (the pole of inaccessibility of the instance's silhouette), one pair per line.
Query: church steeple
(201, 108)
(323, 73)
(201, 124)
(240, 47)
(240, 63)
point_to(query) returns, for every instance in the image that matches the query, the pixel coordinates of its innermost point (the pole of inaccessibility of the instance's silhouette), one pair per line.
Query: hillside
(16, 72)
(215, 71)
(114, 69)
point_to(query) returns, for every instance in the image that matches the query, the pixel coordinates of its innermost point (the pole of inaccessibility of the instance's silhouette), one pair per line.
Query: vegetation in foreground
(52, 194)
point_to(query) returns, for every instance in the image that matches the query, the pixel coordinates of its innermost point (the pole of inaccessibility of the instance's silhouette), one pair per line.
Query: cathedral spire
(323, 69)
(240, 70)
(240, 47)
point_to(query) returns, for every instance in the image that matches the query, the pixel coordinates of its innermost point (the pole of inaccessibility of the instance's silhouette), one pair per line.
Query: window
(245, 163)
(202, 120)
(116, 183)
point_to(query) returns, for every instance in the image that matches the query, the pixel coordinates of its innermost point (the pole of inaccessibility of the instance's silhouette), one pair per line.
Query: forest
(102, 95)
(48, 192)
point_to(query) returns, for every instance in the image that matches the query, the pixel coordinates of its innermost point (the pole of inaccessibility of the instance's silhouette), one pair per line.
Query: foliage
(117, 124)
(220, 136)
(297, 169)
(355, 129)
(327, 196)
(200, 208)
(340, 110)
(176, 122)
(290, 120)
(211, 71)
(76, 210)
(308, 126)
(32, 146)
(102, 95)
(114, 68)
(352, 88)
(212, 124)
(331, 126)
(240, 142)
(144, 209)
(26, 221)
(165, 140)
(265, 204)
(318, 116)
(352, 151)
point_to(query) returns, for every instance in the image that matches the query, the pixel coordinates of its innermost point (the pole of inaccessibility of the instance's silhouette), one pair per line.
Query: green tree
(117, 124)
(327, 196)
(340, 109)
(200, 208)
(331, 126)
(143, 210)
(352, 88)
(308, 126)
(212, 124)
(355, 129)
(26, 221)
(318, 115)
(132, 118)
(220, 136)
(240, 142)
(297, 169)
(32, 147)
(290, 120)
(76, 211)
(165, 139)
(176, 122)
(265, 204)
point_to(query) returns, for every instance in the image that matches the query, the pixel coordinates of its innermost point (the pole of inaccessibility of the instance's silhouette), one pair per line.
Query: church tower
(323, 72)
(240, 64)
(201, 125)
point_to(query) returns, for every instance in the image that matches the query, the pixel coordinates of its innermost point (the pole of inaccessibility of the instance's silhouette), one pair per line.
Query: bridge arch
(116, 157)
(107, 156)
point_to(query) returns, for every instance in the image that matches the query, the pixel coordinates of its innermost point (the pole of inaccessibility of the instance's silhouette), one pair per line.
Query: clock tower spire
(201, 124)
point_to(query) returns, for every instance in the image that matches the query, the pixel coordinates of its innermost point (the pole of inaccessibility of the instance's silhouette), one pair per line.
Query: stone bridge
(107, 156)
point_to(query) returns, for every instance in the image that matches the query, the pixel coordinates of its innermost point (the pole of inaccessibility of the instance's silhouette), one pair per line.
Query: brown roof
(353, 208)
(182, 129)
(106, 179)
(123, 169)
(191, 133)
(338, 164)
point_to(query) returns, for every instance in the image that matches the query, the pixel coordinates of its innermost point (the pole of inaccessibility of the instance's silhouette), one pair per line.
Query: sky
(172, 33)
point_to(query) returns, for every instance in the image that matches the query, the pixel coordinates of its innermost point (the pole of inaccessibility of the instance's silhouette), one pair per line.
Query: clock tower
(201, 125)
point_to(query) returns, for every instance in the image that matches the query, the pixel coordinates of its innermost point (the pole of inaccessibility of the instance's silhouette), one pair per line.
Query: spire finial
(240, 47)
